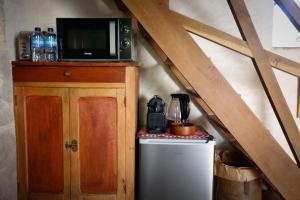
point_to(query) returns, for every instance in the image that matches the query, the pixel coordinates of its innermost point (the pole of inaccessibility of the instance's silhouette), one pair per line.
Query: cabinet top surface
(75, 64)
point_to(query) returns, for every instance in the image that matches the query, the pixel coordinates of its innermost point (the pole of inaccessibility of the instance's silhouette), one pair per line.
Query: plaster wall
(7, 135)
(17, 15)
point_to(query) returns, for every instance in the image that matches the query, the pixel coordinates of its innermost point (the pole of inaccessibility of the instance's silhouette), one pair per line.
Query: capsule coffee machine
(156, 117)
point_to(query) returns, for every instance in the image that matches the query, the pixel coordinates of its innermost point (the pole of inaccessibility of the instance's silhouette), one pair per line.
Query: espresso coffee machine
(156, 117)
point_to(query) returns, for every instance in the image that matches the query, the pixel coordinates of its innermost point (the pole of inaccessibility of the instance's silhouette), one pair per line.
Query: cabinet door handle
(67, 74)
(73, 145)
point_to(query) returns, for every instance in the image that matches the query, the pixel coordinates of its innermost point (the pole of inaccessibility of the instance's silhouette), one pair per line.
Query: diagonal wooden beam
(208, 82)
(266, 75)
(234, 43)
(291, 10)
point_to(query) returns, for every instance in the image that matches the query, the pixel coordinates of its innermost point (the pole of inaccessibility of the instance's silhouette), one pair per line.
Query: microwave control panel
(126, 40)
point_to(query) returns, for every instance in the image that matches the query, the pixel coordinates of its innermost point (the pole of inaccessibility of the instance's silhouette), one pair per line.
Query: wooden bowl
(183, 129)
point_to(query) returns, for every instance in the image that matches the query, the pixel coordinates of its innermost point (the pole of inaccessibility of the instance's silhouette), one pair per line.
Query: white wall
(7, 135)
(155, 77)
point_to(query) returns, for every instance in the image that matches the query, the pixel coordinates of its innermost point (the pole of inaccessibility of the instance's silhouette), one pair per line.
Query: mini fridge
(175, 169)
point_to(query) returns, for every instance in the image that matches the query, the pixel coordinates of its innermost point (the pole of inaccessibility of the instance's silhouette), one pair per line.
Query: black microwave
(95, 39)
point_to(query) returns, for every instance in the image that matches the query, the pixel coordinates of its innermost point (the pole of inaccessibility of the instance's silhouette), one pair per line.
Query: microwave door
(112, 38)
(88, 39)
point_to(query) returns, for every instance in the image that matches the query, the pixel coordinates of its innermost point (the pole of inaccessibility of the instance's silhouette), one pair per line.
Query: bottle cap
(38, 29)
(50, 30)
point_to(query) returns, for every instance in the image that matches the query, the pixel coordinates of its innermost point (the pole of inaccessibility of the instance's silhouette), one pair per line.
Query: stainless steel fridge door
(172, 169)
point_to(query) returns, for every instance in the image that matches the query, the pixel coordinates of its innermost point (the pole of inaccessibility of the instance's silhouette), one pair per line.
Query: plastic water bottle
(50, 46)
(37, 45)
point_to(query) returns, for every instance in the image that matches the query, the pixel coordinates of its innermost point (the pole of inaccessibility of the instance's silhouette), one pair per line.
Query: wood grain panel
(69, 85)
(21, 95)
(44, 144)
(132, 88)
(209, 83)
(98, 144)
(69, 74)
(96, 197)
(20, 144)
(121, 115)
(74, 64)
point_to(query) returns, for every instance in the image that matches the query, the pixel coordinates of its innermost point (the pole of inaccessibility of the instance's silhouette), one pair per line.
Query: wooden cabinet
(75, 139)
(42, 117)
(97, 121)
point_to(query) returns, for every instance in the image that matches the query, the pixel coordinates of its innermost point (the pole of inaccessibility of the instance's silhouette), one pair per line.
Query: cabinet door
(97, 118)
(42, 126)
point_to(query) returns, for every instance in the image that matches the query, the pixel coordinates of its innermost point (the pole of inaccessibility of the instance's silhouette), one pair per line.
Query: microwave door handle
(112, 38)
(60, 49)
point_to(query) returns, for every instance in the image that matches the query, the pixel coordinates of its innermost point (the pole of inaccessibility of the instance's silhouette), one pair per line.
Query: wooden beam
(167, 2)
(291, 10)
(267, 76)
(132, 88)
(209, 83)
(234, 43)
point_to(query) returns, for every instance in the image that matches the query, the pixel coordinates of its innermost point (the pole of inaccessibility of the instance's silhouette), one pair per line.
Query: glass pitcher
(179, 108)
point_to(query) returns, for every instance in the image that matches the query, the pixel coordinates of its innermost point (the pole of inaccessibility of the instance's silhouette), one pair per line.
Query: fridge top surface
(176, 141)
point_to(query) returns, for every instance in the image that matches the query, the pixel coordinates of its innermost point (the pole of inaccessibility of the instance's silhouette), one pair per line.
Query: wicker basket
(235, 178)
